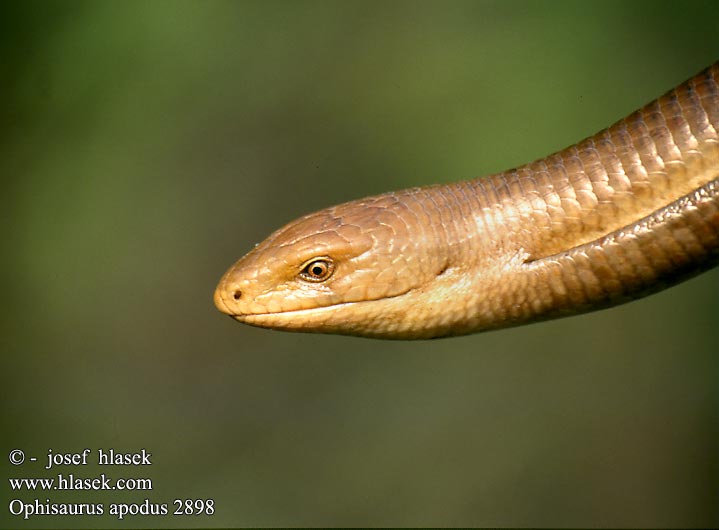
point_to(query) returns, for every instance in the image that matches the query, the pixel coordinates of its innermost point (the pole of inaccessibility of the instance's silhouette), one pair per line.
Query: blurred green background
(145, 146)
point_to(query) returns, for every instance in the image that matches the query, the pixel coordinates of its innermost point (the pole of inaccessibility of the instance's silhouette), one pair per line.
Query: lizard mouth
(248, 318)
(293, 316)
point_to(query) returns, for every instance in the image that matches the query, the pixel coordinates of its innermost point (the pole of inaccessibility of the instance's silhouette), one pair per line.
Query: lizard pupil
(317, 270)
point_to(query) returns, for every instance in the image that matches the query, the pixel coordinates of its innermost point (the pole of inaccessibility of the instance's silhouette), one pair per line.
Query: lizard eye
(317, 270)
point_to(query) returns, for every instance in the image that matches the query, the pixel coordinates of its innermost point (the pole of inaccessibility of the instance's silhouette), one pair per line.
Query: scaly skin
(626, 212)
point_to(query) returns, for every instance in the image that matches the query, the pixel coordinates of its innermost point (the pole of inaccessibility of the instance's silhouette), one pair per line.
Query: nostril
(237, 294)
